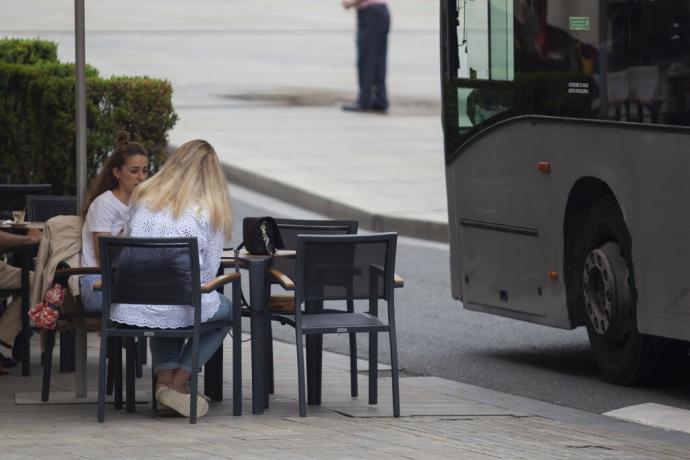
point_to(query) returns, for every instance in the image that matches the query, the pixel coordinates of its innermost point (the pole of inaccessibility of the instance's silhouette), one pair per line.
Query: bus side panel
(504, 229)
(497, 181)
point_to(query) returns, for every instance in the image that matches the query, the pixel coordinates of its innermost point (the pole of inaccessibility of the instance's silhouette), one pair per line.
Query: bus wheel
(622, 354)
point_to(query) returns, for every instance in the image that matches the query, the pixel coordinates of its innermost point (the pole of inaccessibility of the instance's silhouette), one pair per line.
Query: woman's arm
(8, 240)
(96, 236)
(347, 4)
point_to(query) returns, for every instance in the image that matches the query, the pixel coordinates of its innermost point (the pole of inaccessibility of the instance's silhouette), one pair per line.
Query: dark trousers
(373, 24)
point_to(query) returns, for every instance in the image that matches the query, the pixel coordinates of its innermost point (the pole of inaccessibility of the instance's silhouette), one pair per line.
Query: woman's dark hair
(106, 180)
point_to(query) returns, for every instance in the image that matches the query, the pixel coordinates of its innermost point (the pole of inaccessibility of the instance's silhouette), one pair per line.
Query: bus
(567, 155)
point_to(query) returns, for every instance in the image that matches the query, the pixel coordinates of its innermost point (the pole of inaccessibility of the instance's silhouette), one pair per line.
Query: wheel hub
(607, 290)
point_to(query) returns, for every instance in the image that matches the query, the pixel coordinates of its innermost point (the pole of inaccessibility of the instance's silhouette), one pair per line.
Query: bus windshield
(615, 60)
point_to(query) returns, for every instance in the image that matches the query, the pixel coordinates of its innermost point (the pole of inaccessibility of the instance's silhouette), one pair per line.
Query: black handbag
(261, 235)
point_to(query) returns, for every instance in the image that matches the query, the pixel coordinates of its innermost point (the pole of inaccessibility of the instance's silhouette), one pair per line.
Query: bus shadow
(578, 361)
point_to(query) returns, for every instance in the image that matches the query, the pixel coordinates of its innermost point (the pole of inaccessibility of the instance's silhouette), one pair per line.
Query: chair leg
(111, 371)
(394, 373)
(373, 367)
(102, 378)
(353, 365)
(300, 374)
(194, 382)
(117, 371)
(140, 345)
(154, 401)
(130, 372)
(237, 350)
(143, 350)
(47, 365)
(237, 368)
(67, 351)
(314, 367)
(269, 351)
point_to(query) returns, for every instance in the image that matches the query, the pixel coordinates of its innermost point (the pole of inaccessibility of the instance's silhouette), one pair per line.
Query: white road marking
(656, 415)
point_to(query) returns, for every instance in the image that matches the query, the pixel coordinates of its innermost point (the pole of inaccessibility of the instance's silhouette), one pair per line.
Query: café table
(24, 254)
(260, 323)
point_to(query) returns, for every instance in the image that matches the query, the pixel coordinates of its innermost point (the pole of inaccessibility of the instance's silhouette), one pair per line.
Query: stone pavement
(440, 419)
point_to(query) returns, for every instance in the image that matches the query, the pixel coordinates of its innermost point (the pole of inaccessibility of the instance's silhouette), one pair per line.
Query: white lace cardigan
(145, 223)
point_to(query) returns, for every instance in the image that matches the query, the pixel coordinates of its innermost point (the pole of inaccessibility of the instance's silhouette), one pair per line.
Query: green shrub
(27, 51)
(37, 121)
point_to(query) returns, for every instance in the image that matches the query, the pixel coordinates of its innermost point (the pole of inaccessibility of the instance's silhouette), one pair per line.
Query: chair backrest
(345, 267)
(13, 196)
(150, 271)
(42, 207)
(290, 228)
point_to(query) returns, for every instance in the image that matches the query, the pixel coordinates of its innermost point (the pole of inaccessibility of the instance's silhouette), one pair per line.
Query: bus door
(501, 256)
(514, 57)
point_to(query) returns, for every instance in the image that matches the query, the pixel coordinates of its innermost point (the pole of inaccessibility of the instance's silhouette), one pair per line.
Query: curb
(433, 231)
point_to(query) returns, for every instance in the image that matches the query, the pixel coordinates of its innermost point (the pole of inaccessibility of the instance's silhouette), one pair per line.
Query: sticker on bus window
(579, 22)
(577, 87)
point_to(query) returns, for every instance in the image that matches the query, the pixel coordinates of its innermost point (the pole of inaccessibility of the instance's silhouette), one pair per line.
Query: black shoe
(379, 108)
(353, 107)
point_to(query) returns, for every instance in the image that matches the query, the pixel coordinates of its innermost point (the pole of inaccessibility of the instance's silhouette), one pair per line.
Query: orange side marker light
(544, 166)
(553, 276)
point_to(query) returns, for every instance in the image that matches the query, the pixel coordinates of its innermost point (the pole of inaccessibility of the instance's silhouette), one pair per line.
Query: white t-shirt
(106, 214)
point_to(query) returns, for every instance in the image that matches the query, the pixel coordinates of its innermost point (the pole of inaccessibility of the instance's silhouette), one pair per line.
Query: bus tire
(608, 296)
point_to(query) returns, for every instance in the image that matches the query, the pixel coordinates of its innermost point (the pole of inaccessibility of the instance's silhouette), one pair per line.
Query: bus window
(485, 54)
(623, 60)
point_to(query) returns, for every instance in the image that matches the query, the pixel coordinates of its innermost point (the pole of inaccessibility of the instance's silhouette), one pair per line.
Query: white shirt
(106, 214)
(146, 223)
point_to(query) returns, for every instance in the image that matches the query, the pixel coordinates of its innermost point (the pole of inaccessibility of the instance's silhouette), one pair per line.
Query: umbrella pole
(79, 49)
(80, 339)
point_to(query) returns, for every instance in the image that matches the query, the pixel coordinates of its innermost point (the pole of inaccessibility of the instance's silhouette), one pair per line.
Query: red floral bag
(45, 314)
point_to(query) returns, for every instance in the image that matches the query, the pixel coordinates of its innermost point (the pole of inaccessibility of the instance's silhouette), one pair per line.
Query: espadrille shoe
(180, 402)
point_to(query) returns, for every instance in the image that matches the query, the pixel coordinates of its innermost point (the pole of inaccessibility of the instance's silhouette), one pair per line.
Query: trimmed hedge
(27, 51)
(37, 119)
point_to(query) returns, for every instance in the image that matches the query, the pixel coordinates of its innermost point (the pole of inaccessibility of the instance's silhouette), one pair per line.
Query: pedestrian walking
(373, 23)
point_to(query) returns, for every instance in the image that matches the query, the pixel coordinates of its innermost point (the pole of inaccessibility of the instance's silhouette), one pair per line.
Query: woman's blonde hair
(191, 178)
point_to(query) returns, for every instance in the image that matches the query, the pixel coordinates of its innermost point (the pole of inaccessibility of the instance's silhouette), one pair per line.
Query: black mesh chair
(40, 208)
(13, 196)
(345, 268)
(161, 271)
(283, 272)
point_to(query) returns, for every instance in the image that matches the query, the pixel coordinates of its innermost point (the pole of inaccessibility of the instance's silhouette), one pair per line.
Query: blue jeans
(174, 352)
(90, 299)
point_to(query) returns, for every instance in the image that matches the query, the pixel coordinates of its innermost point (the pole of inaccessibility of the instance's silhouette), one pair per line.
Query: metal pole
(79, 51)
(80, 89)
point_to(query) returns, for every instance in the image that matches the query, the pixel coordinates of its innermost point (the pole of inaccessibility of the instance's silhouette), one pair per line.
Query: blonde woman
(187, 198)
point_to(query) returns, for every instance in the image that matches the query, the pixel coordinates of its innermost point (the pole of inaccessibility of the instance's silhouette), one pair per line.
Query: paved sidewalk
(440, 419)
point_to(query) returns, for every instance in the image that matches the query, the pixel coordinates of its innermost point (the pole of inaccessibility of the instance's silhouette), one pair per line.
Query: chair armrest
(67, 272)
(398, 281)
(218, 281)
(281, 278)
